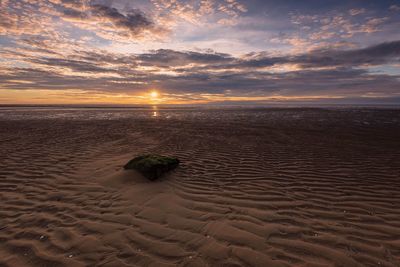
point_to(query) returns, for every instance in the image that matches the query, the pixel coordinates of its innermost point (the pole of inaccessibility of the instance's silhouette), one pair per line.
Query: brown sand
(295, 187)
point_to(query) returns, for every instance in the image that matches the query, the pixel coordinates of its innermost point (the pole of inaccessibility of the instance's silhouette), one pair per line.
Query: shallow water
(364, 116)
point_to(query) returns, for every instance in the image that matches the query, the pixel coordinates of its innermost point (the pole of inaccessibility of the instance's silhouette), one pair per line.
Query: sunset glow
(199, 51)
(154, 94)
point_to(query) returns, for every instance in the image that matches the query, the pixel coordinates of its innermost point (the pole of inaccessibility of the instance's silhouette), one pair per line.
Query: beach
(255, 187)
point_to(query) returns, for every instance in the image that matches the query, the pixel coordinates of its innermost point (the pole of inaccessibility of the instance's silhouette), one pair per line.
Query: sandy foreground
(261, 187)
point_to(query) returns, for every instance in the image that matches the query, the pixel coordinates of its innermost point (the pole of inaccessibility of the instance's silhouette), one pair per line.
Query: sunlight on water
(236, 115)
(155, 111)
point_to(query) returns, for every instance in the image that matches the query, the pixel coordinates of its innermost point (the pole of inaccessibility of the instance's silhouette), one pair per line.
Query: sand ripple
(303, 187)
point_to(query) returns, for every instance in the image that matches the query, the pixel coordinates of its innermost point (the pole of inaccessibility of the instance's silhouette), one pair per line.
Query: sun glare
(154, 94)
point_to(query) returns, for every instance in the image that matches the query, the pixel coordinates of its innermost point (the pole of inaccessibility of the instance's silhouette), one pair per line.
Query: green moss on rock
(152, 166)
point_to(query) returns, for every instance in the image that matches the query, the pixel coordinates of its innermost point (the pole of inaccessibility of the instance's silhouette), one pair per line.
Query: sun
(154, 94)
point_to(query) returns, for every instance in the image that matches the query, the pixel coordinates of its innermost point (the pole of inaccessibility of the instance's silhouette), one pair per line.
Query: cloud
(356, 11)
(42, 18)
(171, 58)
(259, 48)
(373, 55)
(70, 3)
(394, 7)
(328, 73)
(384, 53)
(73, 65)
(135, 20)
(200, 13)
(18, 18)
(108, 22)
(312, 30)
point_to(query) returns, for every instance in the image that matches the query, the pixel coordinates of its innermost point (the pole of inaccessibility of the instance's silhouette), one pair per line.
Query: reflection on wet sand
(155, 111)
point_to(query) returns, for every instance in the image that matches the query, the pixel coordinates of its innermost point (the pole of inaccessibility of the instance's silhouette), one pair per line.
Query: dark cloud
(373, 55)
(74, 13)
(70, 3)
(167, 57)
(74, 65)
(384, 53)
(104, 57)
(135, 20)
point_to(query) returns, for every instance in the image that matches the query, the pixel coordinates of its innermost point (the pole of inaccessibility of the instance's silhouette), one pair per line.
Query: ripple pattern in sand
(253, 190)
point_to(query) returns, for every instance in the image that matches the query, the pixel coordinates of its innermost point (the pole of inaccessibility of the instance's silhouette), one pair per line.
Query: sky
(199, 52)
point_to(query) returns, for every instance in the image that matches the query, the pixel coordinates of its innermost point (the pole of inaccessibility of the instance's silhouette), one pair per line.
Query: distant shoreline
(200, 106)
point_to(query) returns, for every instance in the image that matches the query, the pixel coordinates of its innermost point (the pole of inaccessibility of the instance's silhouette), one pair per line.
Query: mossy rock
(152, 166)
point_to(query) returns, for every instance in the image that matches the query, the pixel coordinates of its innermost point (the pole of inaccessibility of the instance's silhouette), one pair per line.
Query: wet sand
(261, 187)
